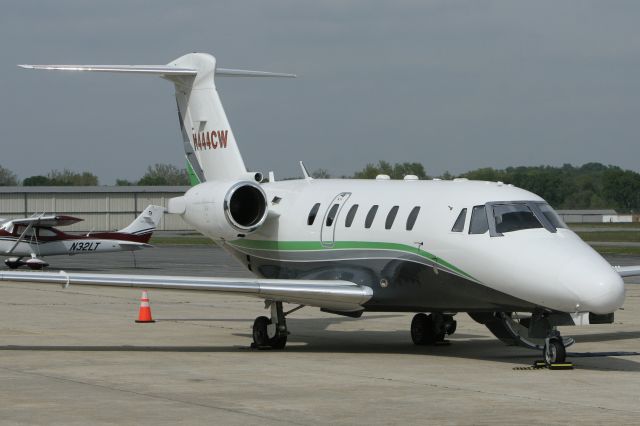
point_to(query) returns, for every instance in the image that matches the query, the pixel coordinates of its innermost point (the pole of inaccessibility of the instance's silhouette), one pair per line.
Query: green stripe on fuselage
(343, 245)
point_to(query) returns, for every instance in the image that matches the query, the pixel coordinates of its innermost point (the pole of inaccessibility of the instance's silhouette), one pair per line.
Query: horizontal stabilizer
(160, 70)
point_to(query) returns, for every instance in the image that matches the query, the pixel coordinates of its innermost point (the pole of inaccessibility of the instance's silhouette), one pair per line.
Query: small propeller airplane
(35, 237)
(433, 247)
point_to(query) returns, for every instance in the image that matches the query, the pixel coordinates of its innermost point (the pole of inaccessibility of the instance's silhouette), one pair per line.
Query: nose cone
(597, 287)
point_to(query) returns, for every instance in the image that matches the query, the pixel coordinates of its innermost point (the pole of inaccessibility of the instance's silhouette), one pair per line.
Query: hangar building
(103, 208)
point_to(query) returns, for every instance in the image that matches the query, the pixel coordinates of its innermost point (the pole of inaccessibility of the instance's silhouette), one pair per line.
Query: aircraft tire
(261, 337)
(554, 352)
(422, 330)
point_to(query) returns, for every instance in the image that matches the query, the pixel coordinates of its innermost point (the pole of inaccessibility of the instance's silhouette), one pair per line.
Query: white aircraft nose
(598, 288)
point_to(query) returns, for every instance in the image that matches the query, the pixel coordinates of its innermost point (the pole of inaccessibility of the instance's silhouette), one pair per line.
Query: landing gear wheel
(422, 330)
(260, 333)
(261, 337)
(554, 352)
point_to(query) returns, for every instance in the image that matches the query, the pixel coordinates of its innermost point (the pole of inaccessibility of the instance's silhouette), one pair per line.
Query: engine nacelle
(223, 210)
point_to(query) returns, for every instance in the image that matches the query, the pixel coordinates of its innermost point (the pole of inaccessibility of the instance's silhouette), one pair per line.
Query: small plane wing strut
(21, 237)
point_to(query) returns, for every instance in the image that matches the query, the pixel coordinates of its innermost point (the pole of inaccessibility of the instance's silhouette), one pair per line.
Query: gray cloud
(455, 85)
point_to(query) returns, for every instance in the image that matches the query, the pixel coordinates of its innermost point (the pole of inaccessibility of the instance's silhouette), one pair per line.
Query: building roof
(89, 189)
(587, 212)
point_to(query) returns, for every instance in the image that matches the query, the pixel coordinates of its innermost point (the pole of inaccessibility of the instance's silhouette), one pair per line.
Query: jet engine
(223, 210)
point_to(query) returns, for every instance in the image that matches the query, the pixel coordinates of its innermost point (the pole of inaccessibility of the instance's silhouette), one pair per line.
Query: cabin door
(328, 230)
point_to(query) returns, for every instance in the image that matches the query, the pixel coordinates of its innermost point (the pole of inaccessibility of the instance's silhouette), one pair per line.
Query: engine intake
(245, 206)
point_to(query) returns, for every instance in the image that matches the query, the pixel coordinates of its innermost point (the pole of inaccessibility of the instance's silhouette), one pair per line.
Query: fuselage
(418, 252)
(49, 241)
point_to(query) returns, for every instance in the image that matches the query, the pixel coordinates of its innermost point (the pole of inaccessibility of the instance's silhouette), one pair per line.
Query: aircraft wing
(49, 220)
(628, 271)
(336, 295)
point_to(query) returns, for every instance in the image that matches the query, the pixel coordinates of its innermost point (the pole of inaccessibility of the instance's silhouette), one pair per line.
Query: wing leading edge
(627, 271)
(329, 294)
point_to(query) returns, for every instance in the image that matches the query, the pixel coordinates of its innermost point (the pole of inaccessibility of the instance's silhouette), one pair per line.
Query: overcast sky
(455, 85)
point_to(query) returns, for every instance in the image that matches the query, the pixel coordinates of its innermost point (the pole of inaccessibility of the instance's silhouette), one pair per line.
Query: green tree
(7, 177)
(321, 174)
(38, 180)
(397, 171)
(164, 174)
(67, 177)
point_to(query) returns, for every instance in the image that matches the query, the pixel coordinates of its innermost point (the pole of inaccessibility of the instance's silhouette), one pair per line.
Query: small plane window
(479, 223)
(459, 225)
(514, 217)
(18, 230)
(370, 216)
(551, 215)
(313, 213)
(332, 214)
(411, 220)
(44, 232)
(351, 214)
(391, 217)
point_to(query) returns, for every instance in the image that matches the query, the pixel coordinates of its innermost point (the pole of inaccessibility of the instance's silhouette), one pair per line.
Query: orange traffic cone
(144, 315)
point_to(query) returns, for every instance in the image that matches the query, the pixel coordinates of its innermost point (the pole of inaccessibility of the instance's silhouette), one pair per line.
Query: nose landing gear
(431, 329)
(554, 351)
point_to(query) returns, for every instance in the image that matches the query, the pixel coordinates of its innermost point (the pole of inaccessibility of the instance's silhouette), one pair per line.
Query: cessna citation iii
(34, 237)
(437, 248)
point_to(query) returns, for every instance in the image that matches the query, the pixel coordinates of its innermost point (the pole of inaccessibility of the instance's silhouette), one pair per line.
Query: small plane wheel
(554, 352)
(12, 265)
(261, 337)
(36, 266)
(422, 332)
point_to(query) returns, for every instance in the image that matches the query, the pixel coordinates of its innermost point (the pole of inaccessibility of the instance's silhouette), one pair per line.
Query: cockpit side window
(479, 223)
(551, 215)
(459, 225)
(514, 217)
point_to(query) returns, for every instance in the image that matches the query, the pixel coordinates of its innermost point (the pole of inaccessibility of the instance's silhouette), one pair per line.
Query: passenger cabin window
(514, 217)
(411, 219)
(479, 223)
(313, 213)
(332, 214)
(391, 217)
(370, 216)
(351, 214)
(459, 225)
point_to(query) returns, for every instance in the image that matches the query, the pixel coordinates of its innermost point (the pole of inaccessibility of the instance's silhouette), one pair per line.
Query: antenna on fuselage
(305, 172)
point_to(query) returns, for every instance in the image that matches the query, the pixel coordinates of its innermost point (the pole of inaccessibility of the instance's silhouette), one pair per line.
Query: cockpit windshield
(514, 217)
(500, 217)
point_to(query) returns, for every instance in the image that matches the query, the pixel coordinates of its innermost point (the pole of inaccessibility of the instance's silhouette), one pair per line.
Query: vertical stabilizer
(214, 152)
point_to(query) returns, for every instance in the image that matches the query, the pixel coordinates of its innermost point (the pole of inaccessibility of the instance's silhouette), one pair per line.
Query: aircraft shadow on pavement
(311, 336)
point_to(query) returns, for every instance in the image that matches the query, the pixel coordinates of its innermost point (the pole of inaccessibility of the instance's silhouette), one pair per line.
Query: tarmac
(75, 356)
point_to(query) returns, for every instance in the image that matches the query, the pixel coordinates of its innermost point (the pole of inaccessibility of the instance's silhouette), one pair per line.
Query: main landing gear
(431, 329)
(271, 333)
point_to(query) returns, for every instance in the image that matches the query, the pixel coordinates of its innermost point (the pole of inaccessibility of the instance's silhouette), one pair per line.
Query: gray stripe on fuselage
(413, 284)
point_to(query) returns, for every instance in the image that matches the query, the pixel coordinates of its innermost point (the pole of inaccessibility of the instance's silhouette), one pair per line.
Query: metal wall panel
(12, 203)
(101, 211)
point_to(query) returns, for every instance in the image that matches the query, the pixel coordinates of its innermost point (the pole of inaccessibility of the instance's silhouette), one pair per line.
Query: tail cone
(144, 315)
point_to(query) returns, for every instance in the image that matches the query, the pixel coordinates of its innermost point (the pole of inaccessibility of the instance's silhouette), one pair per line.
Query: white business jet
(437, 248)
